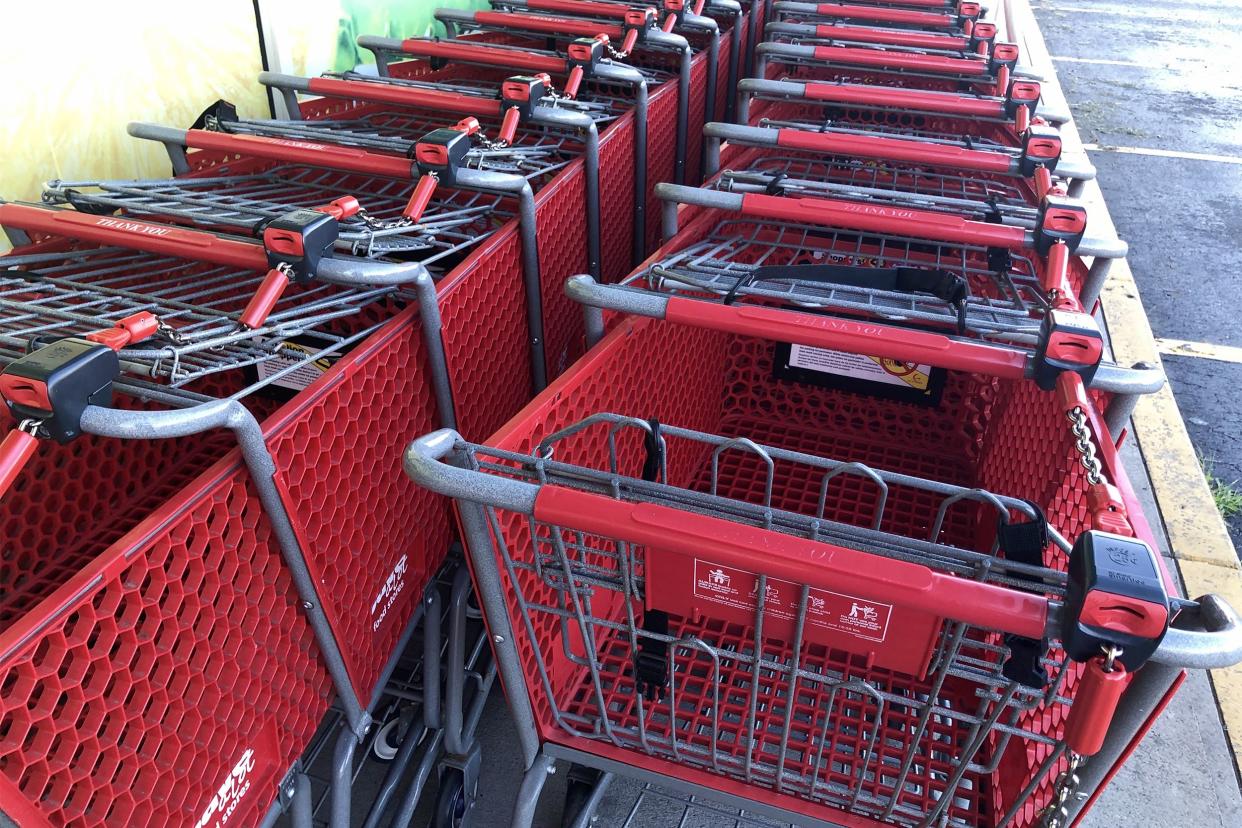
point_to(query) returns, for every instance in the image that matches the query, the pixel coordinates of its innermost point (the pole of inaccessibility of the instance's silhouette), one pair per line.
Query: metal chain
(170, 333)
(374, 223)
(1056, 814)
(615, 54)
(30, 426)
(1082, 441)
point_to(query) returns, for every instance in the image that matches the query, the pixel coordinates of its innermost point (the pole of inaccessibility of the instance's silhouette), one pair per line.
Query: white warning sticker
(293, 354)
(860, 366)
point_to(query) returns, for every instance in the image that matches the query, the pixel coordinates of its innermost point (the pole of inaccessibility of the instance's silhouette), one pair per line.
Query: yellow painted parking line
(1163, 153)
(1203, 350)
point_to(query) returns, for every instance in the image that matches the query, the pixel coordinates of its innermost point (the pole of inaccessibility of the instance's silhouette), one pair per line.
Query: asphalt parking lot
(1155, 92)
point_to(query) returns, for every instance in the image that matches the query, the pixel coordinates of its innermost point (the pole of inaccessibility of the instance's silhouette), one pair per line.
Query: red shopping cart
(705, 19)
(983, 184)
(986, 119)
(552, 158)
(584, 62)
(641, 43)
(1037, 158)
(1005, 294)
(820, 605)
(866, 63)
(169, 638)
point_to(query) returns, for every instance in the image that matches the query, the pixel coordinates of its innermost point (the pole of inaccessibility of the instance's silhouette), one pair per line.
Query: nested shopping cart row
(829, 524)
(296, 285)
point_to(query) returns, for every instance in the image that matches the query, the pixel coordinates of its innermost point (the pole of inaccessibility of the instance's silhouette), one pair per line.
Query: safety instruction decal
(739, 590)
(861, 366)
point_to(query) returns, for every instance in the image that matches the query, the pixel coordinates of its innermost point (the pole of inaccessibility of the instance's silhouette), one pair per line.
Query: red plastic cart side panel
(373, 540)
(132, 692)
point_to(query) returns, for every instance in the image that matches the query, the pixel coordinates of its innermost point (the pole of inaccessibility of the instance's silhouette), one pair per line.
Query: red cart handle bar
(969, 106)
(815, 563)
(160, 239)
(404, 96)
(893, 37)
(301, 152)
(912, 61)
(896, 149)
(566, 26)
(482, 54)
(582, 7)
(882, 14)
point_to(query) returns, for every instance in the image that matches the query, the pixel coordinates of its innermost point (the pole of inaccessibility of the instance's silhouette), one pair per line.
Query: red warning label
(739, 589)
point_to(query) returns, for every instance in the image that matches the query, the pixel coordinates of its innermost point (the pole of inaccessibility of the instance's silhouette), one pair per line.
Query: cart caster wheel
(453, 803)
(389, 737)
(579, 785)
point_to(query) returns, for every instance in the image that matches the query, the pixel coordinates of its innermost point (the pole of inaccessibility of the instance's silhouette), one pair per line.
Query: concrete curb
(1197, 537)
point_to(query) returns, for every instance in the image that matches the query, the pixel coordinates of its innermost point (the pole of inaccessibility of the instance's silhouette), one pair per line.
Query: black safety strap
(943, 284)
(221, 111)
(82, 205)
(651, 660)
(1024, 542)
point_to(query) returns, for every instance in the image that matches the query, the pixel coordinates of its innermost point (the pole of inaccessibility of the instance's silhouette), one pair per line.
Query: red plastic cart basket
(168, 635)
(813, 603)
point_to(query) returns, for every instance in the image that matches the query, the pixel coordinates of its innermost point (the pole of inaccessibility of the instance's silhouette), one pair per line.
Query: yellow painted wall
(76, 72)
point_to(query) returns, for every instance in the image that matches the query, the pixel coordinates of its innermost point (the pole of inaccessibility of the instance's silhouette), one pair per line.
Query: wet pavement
(1164, 75)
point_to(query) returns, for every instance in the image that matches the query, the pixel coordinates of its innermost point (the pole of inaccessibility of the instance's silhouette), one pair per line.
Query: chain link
(31, 426)
(1082, 441)
(170, 333)
(1056, 814)
(615, 54)
(374, 223)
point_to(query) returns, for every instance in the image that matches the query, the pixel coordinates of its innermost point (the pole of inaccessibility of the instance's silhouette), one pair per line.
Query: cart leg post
(591, 168)
(534, 288)
(431, 658)
(668, 219)
(735, 53)
(491, 593)
(303, 806)
(433, 340)
(638, 248)
(342, 779)
(1097, 275)
(532, 785)
(683, 116)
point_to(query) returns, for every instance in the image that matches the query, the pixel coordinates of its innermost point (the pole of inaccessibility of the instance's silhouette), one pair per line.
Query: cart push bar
(992, 73)
(980, 41)
(584, 59)
(961, 19)
(1016, 108)
(523, 98)
(1038, 158)
(637, 28)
